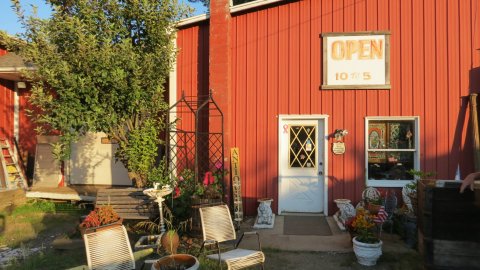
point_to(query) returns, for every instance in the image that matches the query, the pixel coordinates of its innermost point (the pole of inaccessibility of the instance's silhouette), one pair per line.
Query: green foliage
(35, 206)
(160, 174)
(421, 174)
(101, 66)
(377, 201)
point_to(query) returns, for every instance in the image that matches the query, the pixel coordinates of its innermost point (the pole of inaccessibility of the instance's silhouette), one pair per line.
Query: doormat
(306, 225)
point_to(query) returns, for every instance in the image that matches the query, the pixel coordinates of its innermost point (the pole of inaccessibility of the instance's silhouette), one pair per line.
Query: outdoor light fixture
(340, 133)
(21, 85)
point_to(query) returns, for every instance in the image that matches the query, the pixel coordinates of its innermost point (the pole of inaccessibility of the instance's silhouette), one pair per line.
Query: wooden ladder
(13, 175)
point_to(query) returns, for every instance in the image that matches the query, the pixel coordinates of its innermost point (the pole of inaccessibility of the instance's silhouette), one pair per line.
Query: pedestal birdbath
(157, 195)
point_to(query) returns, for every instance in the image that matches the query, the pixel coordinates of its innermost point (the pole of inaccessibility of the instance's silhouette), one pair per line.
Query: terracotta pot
(170, 241)
(176, 261)
(373, 208)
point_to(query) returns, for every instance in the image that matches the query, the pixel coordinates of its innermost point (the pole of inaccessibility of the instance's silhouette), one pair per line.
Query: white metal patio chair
(217, 227)
(109, 248)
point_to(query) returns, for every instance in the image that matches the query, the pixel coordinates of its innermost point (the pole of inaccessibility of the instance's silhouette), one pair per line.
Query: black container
(448, 226)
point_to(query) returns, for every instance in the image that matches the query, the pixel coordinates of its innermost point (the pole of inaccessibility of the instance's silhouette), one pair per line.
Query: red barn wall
(277, 66)
(6, 109)
(27, 135)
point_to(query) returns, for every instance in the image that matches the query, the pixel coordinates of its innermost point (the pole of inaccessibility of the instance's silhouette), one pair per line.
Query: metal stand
(160, 200)
(158, 195)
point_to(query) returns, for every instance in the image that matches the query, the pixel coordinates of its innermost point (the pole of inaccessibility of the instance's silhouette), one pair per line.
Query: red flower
(178, 192)
(208, 179)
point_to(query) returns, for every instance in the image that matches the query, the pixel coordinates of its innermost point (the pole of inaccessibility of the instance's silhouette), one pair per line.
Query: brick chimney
(220, 70)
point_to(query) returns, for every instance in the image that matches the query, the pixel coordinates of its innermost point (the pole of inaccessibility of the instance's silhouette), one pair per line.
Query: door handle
(320, 173)
(321, 163)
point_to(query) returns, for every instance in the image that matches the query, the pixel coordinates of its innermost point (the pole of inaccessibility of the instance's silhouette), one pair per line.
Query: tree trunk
(138, 181)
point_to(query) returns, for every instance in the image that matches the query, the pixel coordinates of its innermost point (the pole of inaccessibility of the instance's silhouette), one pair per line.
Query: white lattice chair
(217, 227)
(109, 248)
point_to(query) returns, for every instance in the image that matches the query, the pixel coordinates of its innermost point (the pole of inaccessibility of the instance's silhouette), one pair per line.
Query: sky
(10, 24)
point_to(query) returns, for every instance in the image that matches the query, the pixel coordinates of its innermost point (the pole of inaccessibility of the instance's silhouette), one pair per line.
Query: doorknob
(320, 173)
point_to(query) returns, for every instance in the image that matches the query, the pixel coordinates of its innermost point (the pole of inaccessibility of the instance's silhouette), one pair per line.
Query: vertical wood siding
(27, 135)
(6, 109)
(277, 67)
(192, 76)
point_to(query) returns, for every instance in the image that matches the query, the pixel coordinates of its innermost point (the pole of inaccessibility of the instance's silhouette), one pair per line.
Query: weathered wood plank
(129, 203)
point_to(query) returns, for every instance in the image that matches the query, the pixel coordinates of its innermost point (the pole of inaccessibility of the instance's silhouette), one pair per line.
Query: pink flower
(180, 179)
(218, 165)
(208, 179)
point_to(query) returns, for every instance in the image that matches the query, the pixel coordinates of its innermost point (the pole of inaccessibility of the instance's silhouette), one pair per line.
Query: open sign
(357, 60)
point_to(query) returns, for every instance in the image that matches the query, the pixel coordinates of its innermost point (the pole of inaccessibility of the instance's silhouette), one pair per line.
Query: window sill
(387, 183)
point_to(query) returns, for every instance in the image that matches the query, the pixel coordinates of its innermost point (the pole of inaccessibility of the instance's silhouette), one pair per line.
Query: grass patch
(33, 220)
(51, 259)
(34, 206)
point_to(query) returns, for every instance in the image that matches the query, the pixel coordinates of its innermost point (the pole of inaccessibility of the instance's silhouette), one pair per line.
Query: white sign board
(356, 60)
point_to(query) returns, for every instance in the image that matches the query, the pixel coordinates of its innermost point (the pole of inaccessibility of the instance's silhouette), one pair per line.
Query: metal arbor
(195, 136)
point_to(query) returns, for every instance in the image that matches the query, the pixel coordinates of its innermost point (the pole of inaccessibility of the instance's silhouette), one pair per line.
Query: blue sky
(10, 24)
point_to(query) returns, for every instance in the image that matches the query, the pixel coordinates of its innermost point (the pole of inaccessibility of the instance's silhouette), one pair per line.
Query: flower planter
(176, 261)
(84, 230)
(367, 254)
(373, 208)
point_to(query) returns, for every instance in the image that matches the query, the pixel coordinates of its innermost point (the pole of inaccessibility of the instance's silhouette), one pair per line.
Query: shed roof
(11, 66)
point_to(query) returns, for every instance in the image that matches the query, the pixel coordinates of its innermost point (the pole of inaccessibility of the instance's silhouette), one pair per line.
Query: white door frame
(319, 117)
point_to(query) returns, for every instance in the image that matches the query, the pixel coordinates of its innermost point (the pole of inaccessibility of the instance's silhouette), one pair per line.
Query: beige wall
(94, 163)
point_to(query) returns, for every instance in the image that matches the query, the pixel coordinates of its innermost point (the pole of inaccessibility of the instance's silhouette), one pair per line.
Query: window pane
(303, 145)
(397, 134)
(390, 165)
(239, 2)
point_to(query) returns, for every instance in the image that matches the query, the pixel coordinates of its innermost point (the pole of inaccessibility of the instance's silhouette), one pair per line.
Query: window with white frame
(239, 2)
(393, 149)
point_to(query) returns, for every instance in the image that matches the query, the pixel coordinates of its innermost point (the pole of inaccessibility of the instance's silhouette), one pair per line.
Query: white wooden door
(301, 160)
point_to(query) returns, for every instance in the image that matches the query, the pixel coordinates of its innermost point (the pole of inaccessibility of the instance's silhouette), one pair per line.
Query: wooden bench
(129, 203)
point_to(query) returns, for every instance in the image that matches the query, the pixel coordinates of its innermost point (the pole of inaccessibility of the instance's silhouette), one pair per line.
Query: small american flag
(381, 216)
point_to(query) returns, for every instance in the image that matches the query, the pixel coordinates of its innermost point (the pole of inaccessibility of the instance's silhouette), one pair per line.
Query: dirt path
(332, 261)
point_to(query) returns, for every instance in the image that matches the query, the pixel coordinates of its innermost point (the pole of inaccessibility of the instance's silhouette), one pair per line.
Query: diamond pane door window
(302, 147)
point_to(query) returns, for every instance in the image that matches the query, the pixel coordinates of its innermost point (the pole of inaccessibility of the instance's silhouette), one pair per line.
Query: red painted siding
(27, 135)
(277, 65)
(6, 109)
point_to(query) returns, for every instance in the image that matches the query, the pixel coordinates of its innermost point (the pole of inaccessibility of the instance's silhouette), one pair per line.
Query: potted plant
(170, 242)
(366, 244)
(374, 204)
(99, 218)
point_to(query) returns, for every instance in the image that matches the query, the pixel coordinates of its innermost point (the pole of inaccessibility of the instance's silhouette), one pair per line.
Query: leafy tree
(101, 66)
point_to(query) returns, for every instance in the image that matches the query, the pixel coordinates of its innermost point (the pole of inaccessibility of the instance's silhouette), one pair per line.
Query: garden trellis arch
(195, 136)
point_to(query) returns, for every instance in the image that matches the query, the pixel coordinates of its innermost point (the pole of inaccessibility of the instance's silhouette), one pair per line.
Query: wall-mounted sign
(338, 148)
(358, 60)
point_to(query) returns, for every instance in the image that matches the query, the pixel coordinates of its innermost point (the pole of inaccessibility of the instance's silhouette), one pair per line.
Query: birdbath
(157, 195)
